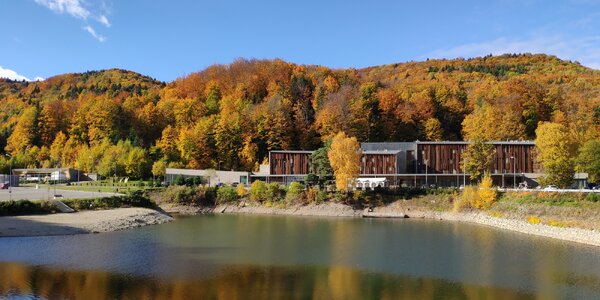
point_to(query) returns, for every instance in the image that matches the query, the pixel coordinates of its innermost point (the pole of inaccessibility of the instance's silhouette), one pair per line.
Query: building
(10, 180)
(418, 164)
(50, 174)
(212, 177)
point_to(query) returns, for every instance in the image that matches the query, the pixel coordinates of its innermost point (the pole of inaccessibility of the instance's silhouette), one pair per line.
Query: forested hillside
(119, 121)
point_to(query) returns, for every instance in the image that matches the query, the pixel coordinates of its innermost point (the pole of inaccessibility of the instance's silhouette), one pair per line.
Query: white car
(551, 188)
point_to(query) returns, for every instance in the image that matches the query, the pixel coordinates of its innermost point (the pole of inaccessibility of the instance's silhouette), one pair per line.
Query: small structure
(212, 177)
(49, 174)
(9, 180)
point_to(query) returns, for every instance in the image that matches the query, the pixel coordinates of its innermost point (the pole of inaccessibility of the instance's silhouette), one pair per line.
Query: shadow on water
(237, 282)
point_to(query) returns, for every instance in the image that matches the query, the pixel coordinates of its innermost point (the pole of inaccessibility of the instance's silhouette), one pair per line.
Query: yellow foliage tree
(486, 194)
(556, 152)
(344, 156)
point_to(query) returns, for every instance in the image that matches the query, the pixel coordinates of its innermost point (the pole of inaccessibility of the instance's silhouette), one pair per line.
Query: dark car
(4, 186)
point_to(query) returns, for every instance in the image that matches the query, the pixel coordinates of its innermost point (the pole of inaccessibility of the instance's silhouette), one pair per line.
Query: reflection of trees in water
(336, 282)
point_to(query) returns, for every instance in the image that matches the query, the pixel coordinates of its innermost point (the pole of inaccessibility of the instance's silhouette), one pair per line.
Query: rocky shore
(81, 222)
(398, 210)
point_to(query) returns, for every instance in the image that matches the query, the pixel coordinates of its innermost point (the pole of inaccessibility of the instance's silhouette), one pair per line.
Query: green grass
(99, 186)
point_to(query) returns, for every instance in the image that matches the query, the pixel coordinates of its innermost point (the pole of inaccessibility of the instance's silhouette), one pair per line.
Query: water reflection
(237, 282)
(303, 258)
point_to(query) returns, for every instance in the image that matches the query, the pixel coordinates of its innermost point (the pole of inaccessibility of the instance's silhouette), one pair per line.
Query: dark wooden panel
(378, 164)
(290, 163)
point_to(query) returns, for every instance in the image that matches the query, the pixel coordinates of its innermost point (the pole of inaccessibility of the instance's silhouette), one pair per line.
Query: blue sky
(169, 39)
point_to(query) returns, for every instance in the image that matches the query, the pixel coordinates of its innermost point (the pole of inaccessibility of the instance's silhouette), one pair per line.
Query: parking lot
(30, 193)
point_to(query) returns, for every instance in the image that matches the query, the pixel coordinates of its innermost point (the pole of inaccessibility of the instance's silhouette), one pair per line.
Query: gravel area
(81, 222)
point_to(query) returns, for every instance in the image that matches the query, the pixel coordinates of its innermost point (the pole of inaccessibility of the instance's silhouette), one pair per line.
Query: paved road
(30, 193)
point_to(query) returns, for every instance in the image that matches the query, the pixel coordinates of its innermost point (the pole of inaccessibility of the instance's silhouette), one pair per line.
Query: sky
(167, 39)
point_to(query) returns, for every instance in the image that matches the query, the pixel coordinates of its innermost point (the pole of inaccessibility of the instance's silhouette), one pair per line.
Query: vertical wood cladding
(446, 158)
(378, 163)
(440, 158)
(290, 163)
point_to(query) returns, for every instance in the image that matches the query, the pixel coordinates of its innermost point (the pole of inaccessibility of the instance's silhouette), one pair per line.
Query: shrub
(189, 195)
(321, 196)
(179, 180)
(295, 190)
(258, 191)
(533, 220)
(241, 190)
(226, 194)
(592, 197)
(486, 194)
(274, 192)
(468, 196)
(311, 194)
(24, 207)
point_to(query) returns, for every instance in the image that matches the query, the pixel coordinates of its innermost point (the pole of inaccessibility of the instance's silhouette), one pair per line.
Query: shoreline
(394, 210)
(84, 222)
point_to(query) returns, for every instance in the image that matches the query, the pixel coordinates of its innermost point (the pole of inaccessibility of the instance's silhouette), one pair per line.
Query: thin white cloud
(103, 20)
(586, 50)
(79, 9)
(12, 75)
(91, 31)
(72, 7)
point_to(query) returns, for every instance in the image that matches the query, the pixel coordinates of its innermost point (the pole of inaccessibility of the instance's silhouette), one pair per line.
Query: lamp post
(426, 180)
(9, 176)
(462, 152)
(514, 172)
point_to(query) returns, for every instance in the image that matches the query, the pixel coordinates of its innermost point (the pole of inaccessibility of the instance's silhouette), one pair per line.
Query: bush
(295, 191)
(533, 220)
(25, 207)
(241, 190)
(179, 180)
(468, 196)
(274, 192)
(226, 194)
(486, 194)
(592, 197)
(135, 199)
(258, 191)
(189, 195)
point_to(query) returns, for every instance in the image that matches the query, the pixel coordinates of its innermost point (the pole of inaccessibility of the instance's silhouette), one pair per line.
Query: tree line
(120, 122)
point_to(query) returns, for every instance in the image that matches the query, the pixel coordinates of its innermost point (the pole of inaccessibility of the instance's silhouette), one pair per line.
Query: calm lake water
(269, 257)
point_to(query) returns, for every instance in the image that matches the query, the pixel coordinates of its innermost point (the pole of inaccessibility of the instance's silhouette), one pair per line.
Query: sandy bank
(398, 210)
(80, 222)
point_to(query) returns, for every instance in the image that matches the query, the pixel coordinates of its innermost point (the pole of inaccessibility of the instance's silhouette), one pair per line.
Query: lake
(278, 257)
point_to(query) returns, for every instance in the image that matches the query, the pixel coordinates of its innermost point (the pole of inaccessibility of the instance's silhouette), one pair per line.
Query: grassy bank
(26, 207)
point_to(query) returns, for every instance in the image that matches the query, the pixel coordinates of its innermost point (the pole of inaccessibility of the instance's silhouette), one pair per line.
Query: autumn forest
(124, 123)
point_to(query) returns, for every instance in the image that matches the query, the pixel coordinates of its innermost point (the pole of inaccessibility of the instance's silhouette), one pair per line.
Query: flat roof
(42, 170)
(292, 151)
(381, 151)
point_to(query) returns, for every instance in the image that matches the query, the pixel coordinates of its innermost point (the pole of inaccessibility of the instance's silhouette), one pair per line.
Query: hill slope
(236, 113)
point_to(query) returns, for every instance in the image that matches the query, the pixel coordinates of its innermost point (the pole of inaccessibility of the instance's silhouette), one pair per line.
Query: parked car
(551, 188)
(4, 186)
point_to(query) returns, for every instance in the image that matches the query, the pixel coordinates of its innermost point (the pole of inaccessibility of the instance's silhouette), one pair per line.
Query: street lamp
(514, 172)
(426, 181)
(462, 152)
(9, 176)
